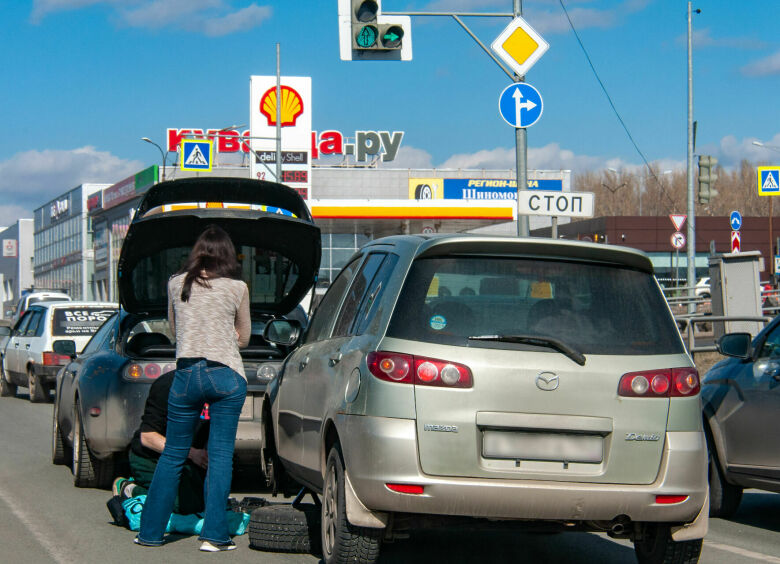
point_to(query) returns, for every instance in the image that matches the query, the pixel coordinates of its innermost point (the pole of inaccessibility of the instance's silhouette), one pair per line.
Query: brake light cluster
(419, 370)
(147, 370)
(669, 382)
(54, 359)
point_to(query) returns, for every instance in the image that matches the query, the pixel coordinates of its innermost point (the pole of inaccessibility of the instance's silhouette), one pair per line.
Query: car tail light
(145, 371)
(422, 371)
(666, 499)
(406, 488)
(669, 382)
(54, 359)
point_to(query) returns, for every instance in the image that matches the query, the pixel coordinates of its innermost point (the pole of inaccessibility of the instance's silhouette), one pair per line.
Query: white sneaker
(212, 547)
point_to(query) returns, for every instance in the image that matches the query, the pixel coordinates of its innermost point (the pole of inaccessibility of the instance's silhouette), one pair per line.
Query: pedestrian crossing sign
(196, 154)
(768, 180)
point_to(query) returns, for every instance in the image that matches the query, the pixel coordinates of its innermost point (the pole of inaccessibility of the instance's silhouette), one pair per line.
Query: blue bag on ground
(185, 524)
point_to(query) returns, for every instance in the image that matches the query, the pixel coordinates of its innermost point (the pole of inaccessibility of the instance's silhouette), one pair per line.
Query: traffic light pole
(521, 154)
(521, 135)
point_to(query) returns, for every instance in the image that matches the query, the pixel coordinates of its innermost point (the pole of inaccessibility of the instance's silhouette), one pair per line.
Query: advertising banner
(10, 248)
(79, 321)
(295, 110)
(475, 188)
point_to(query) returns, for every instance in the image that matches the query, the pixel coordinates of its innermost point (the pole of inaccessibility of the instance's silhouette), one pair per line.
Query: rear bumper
(47, 373)
(383, 450)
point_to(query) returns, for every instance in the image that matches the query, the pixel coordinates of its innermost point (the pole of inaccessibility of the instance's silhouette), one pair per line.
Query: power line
(612, 105)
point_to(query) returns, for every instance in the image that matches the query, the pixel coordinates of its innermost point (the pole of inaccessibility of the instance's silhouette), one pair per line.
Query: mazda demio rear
(537, 382)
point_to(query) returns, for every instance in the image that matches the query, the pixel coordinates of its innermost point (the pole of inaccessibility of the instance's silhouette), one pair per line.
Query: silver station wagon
(535, 382)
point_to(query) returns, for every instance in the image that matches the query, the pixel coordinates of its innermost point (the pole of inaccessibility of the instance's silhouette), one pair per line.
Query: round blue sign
(520, 104)
(735, 220)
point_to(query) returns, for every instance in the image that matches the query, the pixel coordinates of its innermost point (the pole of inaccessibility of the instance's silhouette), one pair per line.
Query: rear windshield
(79, 321)
(269, 275)
(597, 309)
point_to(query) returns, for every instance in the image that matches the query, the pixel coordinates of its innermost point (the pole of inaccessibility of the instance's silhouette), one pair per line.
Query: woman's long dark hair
(213, 252)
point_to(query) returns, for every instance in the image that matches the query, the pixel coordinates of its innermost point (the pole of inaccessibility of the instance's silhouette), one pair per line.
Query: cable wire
(612, 105)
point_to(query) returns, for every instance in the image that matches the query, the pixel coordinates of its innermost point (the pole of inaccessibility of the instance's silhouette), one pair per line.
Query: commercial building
(16, 273)
(63, 247)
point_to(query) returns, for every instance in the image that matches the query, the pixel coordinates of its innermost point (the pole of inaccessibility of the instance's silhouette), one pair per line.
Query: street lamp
(163, 154)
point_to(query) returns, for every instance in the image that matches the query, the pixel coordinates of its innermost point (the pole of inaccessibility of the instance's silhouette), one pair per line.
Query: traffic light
(365, 34)
(707, 177)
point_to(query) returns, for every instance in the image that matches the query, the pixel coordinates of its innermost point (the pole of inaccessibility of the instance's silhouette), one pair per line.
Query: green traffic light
(366, 37)
(391, 38)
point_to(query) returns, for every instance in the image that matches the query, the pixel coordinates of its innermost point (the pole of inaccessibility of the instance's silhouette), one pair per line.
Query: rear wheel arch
(330, 437)
(715, 443)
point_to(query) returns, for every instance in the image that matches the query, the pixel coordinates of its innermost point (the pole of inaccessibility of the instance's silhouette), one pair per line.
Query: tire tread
(285, 528)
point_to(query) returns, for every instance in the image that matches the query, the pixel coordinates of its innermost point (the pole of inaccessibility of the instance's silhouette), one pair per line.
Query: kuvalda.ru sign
(364, 145)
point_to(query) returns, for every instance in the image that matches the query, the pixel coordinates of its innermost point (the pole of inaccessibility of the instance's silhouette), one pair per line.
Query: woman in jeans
(208, 309)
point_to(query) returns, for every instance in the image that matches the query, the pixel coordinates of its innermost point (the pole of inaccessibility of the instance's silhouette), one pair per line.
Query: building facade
(63, 245)
(16, 272)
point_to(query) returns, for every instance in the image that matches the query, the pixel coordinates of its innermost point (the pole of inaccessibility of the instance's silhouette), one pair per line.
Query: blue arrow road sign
(735, 220)
(520, 104)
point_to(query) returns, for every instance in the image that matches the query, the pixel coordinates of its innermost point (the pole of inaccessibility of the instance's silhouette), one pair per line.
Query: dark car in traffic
(100, 394)
(741, 402)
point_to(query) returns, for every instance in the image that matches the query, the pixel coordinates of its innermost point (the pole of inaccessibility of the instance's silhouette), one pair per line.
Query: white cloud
(10, 214)
(549, 157)
(30, 179)
(209, 17)
(410, 157)
(702, 38)
(731, 151)
(763, 67)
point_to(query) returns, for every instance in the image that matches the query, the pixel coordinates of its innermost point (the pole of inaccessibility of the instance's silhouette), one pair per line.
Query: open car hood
(279, 254)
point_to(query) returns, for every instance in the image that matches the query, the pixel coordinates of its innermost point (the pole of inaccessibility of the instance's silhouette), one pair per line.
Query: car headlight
(266, 372)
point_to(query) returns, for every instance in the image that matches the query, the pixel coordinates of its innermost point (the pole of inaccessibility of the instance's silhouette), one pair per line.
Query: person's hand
(199, 457)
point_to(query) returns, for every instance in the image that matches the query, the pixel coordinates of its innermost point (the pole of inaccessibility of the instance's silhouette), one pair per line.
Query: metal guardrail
(692, 320)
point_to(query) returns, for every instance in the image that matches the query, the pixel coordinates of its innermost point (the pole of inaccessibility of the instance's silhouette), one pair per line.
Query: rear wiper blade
(547, 342)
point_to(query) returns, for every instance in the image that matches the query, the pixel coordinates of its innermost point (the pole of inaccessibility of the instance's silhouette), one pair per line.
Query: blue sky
(84, 80)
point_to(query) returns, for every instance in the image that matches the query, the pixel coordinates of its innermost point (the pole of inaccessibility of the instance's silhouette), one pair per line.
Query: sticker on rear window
(79, 321)
(438, 322)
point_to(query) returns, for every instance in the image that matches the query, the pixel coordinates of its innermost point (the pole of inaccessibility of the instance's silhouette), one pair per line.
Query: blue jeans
(196, 383)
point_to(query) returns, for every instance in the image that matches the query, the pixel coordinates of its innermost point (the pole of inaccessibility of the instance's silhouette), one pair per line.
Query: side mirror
(735, 344)
(65, 347)
(284, 332)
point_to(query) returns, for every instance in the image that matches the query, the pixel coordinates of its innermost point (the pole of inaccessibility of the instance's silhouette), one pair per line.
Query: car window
(595, 308)
(35, 320)
(372, 302)
(771, 346)
(21, 325)
(103, 338)
(323, 316)
(356, 292)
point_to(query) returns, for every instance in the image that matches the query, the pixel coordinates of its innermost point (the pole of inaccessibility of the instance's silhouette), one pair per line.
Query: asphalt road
(43, 518)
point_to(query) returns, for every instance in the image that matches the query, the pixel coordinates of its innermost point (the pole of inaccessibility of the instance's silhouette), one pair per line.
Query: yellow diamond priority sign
(519, 46)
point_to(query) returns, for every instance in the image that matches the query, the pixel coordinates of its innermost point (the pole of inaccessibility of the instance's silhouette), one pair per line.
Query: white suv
(28, 359)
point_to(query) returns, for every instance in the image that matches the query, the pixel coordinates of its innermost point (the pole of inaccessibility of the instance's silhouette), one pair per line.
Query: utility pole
(521, 154)
(691, 249)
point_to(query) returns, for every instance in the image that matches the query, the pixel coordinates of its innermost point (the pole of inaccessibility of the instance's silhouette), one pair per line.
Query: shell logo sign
(291, 106)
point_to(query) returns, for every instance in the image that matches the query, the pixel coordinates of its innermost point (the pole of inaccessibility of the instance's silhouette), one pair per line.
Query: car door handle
(334, 359)
(303, 364)
(16, 345)
(27, 347)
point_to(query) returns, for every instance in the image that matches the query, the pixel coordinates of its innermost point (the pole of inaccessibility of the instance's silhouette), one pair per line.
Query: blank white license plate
(521, 445)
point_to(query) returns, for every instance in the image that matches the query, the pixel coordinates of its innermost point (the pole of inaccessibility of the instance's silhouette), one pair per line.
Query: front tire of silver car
(341, 541)
(39, 393)
(655, 546)
(7, 389)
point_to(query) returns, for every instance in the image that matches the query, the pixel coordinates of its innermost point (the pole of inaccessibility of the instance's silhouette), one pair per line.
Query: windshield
(592, 308)
(269, 275)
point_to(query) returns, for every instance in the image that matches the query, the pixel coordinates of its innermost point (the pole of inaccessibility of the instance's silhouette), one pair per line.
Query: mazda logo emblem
(547, 381)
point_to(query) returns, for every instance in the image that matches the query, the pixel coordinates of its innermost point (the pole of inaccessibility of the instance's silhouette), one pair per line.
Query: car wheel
(39, 393)
(286, 528)
(342, 541)
(88, 471)
(7, 389)
(60, 454)
(724, 498)
(657, 547)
